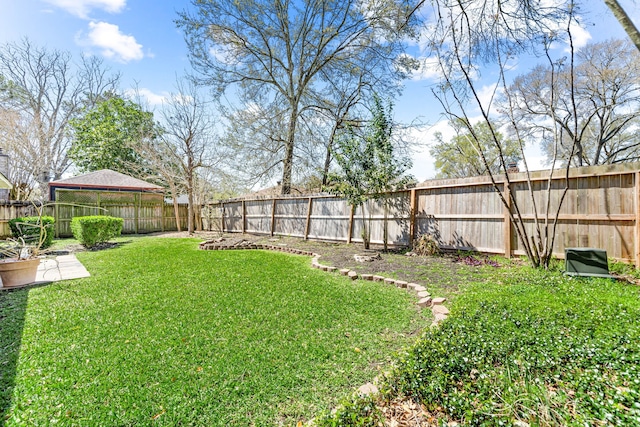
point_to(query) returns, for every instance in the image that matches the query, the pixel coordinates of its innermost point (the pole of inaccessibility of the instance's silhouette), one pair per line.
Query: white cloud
(488, 95)
(151, 97)
(113, 44)
(579, 35)
(81, 8)
(423, 164)
(429, 69)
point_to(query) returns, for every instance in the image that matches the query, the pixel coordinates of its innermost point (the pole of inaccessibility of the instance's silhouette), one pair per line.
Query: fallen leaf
(156, 416)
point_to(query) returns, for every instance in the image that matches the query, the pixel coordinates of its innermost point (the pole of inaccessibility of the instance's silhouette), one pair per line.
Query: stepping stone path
(425, 300)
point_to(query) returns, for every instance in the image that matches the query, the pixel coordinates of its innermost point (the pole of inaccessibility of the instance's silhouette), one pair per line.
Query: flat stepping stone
(419, 288)
(389, 281)
(367, 389)
(440, 309)
(412, 285)
(439, 300)
(424, 302)
(423, 294)
(366, 276)
(378, 278)
(439, 317)
(331, 269)
(401, 283)
(344, 271)
(352, 275)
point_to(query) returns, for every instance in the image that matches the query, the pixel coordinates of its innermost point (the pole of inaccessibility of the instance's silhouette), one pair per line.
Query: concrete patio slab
(62, 267)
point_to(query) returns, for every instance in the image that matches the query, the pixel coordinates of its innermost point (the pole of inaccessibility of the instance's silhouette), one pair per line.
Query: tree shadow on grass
(13, 305)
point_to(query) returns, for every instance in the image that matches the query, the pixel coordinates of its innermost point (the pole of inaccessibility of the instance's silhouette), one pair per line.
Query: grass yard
(164, 334)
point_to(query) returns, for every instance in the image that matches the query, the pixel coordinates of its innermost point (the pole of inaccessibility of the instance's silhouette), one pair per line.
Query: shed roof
(106, 178)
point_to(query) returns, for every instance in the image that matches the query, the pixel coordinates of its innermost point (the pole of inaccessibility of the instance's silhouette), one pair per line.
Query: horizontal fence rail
(600, 209)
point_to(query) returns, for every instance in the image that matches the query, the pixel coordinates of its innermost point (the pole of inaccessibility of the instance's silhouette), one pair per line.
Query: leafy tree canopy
(460, 157)
(104, 136)
(368, 163)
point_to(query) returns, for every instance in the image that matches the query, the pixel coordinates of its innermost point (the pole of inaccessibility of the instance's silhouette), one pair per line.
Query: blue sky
(139, 39)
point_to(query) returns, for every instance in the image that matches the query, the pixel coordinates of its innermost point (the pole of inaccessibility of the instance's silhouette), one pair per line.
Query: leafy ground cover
(164, 334)
(521, 347)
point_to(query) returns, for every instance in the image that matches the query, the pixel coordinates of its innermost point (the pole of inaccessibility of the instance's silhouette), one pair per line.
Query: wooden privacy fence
(601, 209)
(140, 213)
(10, 210)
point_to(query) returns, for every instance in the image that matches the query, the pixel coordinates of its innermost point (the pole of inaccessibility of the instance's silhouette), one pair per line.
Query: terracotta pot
(18, 272)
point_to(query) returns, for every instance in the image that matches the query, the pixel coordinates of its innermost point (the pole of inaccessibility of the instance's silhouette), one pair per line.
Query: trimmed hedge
(29, 227)
(91, 230)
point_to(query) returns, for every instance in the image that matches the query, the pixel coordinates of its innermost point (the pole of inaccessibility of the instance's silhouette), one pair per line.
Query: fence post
(507, 220)
(308, 223)
(637, 207)
(350, 230)
(244, 217)
(56, 208)
(136, 210)
(273, 216)
(412, 217)
(222, 217)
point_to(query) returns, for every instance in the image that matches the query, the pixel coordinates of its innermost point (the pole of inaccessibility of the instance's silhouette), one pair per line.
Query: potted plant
(19, 262)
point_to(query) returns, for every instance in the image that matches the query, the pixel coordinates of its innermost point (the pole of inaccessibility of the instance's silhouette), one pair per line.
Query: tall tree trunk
(190, 197)
(327, 158)
(197, 211)
(176, 207)
(176, 212)
(288, 156)
(624, 20)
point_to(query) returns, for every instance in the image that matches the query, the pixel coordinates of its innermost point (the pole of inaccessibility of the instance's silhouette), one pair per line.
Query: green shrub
(91, 230)
(29, 228)
(355, 411)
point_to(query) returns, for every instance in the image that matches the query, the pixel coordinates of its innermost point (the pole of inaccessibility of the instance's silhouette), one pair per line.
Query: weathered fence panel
(329, 219)
(461, 216)
(10, 210)
(258, 216)
(601, 208)
(169, 217)
(291, 217)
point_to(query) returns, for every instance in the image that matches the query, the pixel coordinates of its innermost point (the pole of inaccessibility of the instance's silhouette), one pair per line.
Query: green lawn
(164, 334)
